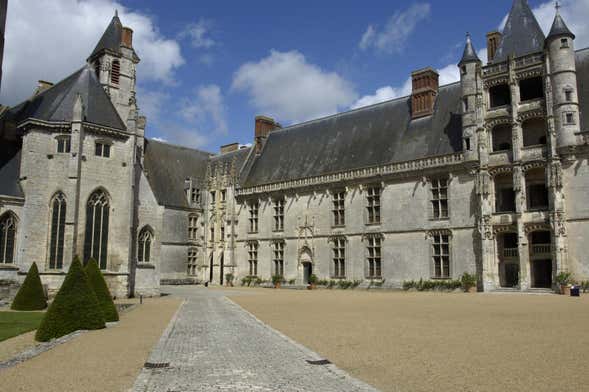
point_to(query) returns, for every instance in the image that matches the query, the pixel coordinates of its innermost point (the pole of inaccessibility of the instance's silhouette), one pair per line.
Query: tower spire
(559, 27)
(469, 54)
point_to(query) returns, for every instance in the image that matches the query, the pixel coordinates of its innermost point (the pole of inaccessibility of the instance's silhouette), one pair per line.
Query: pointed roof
(522, 34)
(111, 39)
(469, 55)
(56, 104)
(559, 28)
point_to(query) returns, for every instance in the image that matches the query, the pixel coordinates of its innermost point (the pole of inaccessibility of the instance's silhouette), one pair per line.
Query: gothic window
(212, 232)
(564, 43)
(504, 193)
(144, 245)
(439, 189)
(64, 144)
(501, 135)
(192, 261)
(254, 208)
(568, 95)
(500, 95)
(441, 255)
(339, 208)
(56, 241)
(7, 238)
(115, 72)
(195, 195)
(223, 195)
(278, 258)
(96, 238)
(222, 232)
(537, 193)
(531, 88)
(534, 132)
(102, 150)
(569, 118)
(467, 144)
(212, 197)
(192, 227)
(252, 255)
(279, 214)
(373, 204)
(339, 258)
(374, 257)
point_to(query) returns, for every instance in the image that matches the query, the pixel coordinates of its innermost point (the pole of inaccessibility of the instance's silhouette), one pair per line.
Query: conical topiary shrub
(75, 307)
(31, 295)
(109, 310)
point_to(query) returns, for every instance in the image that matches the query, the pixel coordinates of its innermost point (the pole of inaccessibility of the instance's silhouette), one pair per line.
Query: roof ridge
(153, 140)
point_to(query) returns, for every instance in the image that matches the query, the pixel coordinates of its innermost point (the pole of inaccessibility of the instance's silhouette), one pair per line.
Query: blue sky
(210, 66)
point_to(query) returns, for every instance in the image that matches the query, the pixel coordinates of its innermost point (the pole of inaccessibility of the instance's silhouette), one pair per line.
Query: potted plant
(564, 281)
(277, 281)
(229, 279)
(468, 282)
(312, 281)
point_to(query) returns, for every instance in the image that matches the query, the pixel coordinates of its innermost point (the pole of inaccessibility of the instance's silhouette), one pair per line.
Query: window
(64, 144)
(373, 204)
(252, 256)
(192, 227)
(374, 258)
(223, 196)
(213, 197)
(57, 230)
(115, 72)
(569, 118)
(439, 189)
(339, 208)
(97, 69)
(339, 258)
(501, 135)
(96, 237)
(254, 208)
(534, 132)
(278, 214)
(463, 69)
(7, 238)
(531, 88)
(465, 104)
(441, 255)
(102, 150)
(568, 95)
(564, 43)
(278, 258)
(195, 195)
(500, 95)
(222, 232)
(537, 196)
(467, 144)
(212, 232)
(192, 261)
(144, 245)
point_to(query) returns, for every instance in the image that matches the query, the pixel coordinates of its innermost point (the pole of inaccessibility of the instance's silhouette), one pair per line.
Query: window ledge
(373, 224)
(338, 226)
(145, 266)
(8, 267)
(446, 219)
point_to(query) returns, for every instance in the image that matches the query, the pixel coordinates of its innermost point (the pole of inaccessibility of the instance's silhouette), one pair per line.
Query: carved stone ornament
(486, 228)
(558, 224)
(556, 175)
(483, 184)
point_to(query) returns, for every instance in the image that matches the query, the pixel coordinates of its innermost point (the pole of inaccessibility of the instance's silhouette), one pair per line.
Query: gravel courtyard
(437, 342)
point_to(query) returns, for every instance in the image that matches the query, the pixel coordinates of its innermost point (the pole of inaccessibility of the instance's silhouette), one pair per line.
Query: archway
(306, 260)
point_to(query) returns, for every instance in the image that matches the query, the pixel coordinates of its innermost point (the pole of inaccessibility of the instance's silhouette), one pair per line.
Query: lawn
(15, 323)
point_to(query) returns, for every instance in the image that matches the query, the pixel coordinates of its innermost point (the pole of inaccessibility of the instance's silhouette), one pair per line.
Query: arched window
(115, 72)
(144, 245)
(56, 241)
(96, 239)
(7, 238)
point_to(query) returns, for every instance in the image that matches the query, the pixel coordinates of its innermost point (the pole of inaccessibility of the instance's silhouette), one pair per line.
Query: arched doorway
(306, 260)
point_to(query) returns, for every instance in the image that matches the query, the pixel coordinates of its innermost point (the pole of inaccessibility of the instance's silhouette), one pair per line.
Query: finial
(116, 13)
(467, 36)
(557, 6)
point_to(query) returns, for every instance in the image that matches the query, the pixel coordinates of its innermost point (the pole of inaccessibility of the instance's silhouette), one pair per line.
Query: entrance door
(307, 272)
(511, 274)
(221, 269)
(542, 273)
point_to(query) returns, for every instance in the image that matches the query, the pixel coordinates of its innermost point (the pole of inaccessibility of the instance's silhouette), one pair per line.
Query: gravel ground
(103, 360)
(437, 342)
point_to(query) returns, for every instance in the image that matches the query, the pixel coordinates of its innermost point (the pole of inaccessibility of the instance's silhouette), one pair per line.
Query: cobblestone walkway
(214, 345)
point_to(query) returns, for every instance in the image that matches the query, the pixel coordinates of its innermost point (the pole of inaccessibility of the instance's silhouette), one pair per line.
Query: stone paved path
(214, 345)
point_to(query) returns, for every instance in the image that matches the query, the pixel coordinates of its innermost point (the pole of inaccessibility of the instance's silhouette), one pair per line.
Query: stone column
(524, 256)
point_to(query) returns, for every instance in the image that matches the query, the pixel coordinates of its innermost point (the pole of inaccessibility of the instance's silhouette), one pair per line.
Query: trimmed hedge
(109, 310)
(75, 307)
(31, 295)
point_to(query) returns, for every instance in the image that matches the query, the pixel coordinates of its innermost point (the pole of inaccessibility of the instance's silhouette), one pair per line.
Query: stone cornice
(66, 126)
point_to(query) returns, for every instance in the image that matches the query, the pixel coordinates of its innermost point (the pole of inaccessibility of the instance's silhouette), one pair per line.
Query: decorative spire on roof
(559, 28)
(111, 39)
(469, 55)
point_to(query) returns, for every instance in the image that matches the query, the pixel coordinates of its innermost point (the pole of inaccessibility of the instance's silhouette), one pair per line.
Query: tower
(470, 68)
(562, 73)
(114, 61)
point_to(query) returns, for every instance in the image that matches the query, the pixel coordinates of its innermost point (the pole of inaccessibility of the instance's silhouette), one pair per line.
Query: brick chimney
(264, 125)
(229, 148)
(127, 37)
(493, 40)
(425, 83)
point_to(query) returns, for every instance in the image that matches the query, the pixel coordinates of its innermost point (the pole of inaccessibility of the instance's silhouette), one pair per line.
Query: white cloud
(198, 33)
(393, 36)
(207, 109)
(50, 39)
(159, 139)
(383, 94)
(288, 87)
(574, 13)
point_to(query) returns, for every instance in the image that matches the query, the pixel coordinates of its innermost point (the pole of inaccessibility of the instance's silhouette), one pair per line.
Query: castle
(489, 176)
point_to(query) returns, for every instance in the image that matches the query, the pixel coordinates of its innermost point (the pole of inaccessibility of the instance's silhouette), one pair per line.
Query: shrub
(428, 285)
(75, 307)
(585, 285)
(96, 280)
(292, 281)
(277, 279)
(30, 296)
(467, 280)
(247, 280)
(564, 278)
(229, 279)
(313, 279)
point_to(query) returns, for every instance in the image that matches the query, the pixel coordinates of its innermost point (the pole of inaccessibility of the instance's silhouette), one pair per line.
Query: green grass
(15, 323)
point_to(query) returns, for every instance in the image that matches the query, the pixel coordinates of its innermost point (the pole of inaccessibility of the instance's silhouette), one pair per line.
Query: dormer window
(64, 144)
(564, 43)
(102, 150)
(115, 72)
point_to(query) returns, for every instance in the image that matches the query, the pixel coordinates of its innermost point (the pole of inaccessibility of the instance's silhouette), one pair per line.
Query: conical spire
(469, 55)
(111, 39)
(522, 34)
(559, 28)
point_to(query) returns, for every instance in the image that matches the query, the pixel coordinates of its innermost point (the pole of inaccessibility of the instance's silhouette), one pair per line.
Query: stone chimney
(229, 148)
(425, 83)
(493, 40)
(264, 125)
(127, 37)
(42, 85)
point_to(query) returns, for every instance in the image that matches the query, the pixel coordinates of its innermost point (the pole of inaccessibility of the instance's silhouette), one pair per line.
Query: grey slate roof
(10, 169)
(224, 161)
(111, 39)
(522, 34)
(168, 166)
(582, 63)
(559, 28)
(57, 103)
(469, 54)
(374, 135)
